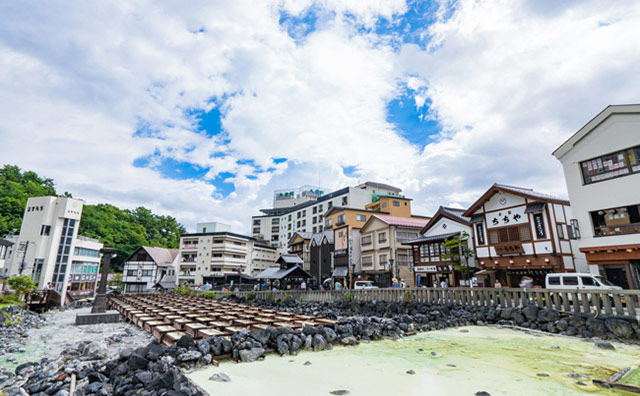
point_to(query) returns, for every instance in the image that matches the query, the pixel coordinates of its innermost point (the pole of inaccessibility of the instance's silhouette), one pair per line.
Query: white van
(573, 281)
(364, 285)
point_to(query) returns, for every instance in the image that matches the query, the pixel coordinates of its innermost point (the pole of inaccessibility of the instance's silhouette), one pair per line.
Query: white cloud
(508, 82)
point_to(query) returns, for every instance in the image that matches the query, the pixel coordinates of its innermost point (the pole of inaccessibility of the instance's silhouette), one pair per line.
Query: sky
(200, 110)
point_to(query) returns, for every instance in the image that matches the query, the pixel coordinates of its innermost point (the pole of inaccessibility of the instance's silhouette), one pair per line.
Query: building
(518, 232)
(213, 227)
(148, 266)
(5, 248)
(299, 244)
(321, 256)
(85, 266)
(286, 274)
(383, 254)
(214, 254)
(431, 260)
(45, 247)
(601, 164)
(304, 212)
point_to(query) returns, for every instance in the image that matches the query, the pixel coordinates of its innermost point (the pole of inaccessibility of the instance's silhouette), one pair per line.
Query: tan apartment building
(382, 253)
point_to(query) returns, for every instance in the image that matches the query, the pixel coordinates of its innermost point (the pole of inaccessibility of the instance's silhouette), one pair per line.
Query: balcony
(184, 274)
(190, 246)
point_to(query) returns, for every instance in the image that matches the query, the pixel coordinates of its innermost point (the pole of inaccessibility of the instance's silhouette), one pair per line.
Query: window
(570, 280)
(365, 240)
(256, 222)
(275, 221)
(275, 229)
(304, 223)
(345, 201)
(314, 210)
(382, 237)
(588, 281)
(396, 203)
(560, 228)
(520, 233)
(314, 220)
(86, 252)
(554, 281)
(131, 273)
(402, 236)
(620, 163)
(256, 230)
(329, 204)
(384, 204)
(314, 228)
(274, 238)
(298, 214)
(574, 230)
(289, 217)
(361, 218)
(319, 228)
(147, 272)
(341, 219)
(367, 261)
(45, 230)
(217, 241)
(327, 224)
(289, 226)
(383, 259)
(616, 221)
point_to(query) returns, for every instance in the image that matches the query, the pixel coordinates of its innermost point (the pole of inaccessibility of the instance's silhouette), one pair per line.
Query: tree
(15, 188)
(21, 285)
(457, 250)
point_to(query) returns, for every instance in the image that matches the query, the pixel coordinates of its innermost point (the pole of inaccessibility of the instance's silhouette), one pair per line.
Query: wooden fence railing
(588, 301)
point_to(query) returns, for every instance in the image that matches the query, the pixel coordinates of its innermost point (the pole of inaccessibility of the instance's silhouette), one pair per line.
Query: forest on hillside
(124, 229)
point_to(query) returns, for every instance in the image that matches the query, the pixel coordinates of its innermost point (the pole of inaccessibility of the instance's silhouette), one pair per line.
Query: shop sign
(507, 217)
(509, 248)
(433, 268)
(340, 253)
(539, 223)
(386, 267)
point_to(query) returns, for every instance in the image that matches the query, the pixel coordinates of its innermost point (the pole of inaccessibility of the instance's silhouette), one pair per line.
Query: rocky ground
(118, 359)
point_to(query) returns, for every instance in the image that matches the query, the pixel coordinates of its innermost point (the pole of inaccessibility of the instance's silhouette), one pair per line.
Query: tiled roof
(275, 272)
(403, 221)
(531, 193)
(291, 259)
(161, 256)
(455, 212)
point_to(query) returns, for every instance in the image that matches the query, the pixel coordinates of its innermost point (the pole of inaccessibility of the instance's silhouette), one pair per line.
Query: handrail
(584, 301)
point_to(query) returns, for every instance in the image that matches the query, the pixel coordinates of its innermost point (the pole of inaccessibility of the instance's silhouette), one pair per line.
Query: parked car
(577, 281)
(364, 285)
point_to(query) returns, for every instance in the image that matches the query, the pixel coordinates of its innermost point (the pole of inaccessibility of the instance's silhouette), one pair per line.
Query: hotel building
(601, 164)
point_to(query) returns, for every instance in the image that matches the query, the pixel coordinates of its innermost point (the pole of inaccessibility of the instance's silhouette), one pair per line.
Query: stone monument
(99, 313)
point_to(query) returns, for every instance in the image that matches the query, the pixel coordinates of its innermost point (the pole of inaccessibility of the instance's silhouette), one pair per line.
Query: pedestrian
(338, 286)
(526, 283)
(48, 286)
(497, 284)
(403, 284)
(303, 285)
(443, 283)
(394, 283)
(207, 286)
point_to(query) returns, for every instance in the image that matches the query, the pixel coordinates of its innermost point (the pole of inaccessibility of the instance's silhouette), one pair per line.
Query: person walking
(443, 283)
(497, 284)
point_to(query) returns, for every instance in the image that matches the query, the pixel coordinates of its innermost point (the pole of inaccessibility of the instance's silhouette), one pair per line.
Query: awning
(477, 219)
(484, 272)
(430, 238)
(535, 207)
(340, 272)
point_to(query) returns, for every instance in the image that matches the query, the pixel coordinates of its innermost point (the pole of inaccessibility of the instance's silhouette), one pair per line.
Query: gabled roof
(328, 235)
(290, 259)
(407, 222)
(454, 214)
(593, 124)
(161, 256)
(316, 238)
(430, 238)
(520, 191)
(275, 272)
(304, 235)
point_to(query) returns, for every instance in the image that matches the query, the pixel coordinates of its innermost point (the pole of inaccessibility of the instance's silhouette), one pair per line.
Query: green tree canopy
(123, 229)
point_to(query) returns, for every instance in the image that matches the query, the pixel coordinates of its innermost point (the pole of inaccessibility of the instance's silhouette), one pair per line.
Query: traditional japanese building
(299, 244)
(432, 261)
(602, 169)
(518, 231)
(321, 256)
(147, 266)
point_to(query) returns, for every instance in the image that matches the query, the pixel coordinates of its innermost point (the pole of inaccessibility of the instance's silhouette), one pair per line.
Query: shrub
(348, 296)
(22, 285)
(209, 294)
(185, 290)
(251, 296)
(9, 299)
(268, 295)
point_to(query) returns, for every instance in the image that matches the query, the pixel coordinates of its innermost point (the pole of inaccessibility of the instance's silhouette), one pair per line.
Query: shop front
(433, 275)
(510, 270)
(620, 264)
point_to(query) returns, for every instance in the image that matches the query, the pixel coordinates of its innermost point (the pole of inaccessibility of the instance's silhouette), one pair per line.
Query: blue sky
(201, 111)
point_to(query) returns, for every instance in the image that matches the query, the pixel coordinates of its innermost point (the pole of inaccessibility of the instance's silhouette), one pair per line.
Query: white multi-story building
(85, 265)
(148, 266)
(44, 249)
(602, 169)
(214, 254)
(277, 225)
(5, 248)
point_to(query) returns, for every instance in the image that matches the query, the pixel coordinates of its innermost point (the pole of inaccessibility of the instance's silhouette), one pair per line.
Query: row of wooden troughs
(169, 316)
